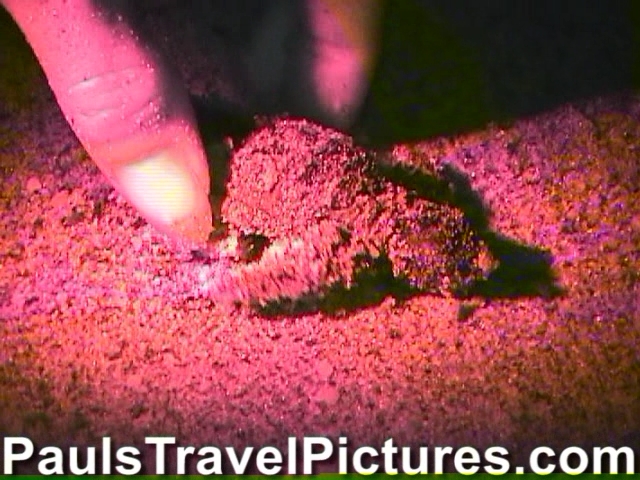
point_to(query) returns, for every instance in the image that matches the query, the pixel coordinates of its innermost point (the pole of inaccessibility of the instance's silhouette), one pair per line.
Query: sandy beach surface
(105, 331)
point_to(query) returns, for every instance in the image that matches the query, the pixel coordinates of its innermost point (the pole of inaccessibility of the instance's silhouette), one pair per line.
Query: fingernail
(167, 194)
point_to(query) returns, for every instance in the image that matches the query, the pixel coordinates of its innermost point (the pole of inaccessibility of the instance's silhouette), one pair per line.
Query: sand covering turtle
(315, 212)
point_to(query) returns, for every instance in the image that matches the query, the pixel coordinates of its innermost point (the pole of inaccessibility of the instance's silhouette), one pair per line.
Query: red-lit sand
(104, 331)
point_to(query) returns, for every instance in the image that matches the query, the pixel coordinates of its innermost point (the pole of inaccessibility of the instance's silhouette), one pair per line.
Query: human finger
(127, 108)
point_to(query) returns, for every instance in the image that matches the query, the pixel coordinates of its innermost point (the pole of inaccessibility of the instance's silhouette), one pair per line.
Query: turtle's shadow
(521, 270)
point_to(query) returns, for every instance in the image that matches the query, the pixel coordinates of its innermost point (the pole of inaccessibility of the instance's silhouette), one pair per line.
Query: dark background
(443, 66)
(452, 67)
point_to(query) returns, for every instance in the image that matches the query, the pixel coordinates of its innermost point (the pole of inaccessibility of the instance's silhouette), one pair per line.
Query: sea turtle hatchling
(323, 213)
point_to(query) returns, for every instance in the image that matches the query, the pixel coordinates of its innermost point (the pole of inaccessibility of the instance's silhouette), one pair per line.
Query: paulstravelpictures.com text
(306, 455)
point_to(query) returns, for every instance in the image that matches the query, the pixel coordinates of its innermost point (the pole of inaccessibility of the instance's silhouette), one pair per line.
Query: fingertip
(168, 194)
(195, 227)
